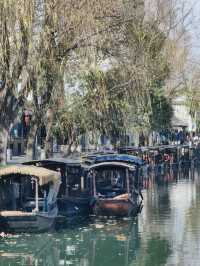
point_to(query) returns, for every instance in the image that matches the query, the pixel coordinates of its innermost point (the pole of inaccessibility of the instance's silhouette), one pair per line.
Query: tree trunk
(71, 142)
(48, 145)
(3, 145)
(31, 149)
(68, 151)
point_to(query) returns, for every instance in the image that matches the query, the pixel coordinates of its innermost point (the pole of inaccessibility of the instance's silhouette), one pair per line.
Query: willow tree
(121, 98)
(141, 64)
(44, 71)
(67, 28)
(106, 103)
(15, 31)
(146, 70)
(133, 48)
(142, 59)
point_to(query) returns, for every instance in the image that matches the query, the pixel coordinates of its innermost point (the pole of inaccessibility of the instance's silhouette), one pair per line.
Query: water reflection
(173, 207)
(167, 232)
(102, 242)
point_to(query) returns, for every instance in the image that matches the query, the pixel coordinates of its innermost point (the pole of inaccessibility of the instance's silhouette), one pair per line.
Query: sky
(194, 27)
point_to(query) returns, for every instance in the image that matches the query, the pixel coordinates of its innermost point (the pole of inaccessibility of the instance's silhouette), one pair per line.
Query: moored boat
(73, 197)
(28, 198)
(116, 207)
(115, 185)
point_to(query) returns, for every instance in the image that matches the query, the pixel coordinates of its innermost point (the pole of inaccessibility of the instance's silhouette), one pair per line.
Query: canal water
(167, 232)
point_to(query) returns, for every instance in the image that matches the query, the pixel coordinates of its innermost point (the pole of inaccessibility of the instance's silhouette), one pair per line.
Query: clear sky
(194, 26)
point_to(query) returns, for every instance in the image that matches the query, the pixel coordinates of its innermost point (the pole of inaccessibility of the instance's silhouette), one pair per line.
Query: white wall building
(182, 117)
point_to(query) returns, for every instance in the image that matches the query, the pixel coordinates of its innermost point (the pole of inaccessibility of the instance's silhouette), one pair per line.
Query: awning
(44, 175)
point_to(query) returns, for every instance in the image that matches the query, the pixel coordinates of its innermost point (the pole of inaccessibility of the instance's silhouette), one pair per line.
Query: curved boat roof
(110, 164)
(129, 159)
(70, 162)
(44, 175)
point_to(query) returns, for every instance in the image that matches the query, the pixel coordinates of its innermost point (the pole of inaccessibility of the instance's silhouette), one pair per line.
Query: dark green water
(167, 232)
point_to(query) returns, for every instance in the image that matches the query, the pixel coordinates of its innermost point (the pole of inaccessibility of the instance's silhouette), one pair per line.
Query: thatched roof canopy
(44, 175)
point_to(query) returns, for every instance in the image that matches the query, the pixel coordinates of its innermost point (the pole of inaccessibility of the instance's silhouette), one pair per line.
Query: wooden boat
(115, 185)
(120, 207)
(73, 198)
(22, 210)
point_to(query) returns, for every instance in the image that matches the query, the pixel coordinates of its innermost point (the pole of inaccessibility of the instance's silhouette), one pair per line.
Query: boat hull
(26, 222)
(74, 206)
(119, 208)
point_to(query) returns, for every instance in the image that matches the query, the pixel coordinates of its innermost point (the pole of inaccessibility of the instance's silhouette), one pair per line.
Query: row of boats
(39, 195)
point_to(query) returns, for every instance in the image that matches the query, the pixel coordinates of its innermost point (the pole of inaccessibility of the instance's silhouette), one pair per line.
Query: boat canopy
(56, 161)
(44, 175)
(112, 164)
(129, 159)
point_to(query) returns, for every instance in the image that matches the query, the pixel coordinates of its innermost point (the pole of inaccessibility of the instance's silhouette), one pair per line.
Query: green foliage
(162, 112)
(105, 102)
(54, 32)
(69, 119)
(146, 69)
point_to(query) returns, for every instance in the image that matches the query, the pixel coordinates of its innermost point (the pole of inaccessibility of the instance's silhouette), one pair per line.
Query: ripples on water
(167, 232)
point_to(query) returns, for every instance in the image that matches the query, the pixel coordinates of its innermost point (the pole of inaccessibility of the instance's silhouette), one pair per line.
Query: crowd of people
(170, 137)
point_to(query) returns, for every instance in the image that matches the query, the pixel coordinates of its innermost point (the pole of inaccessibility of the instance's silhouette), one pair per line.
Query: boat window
(74, 180)
(110, 182)
(17, 193)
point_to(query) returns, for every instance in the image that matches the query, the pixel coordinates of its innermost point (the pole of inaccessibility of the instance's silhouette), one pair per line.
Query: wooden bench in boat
(122, 197)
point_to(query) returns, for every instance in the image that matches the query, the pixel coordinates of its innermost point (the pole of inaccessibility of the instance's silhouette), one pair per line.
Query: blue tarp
(119, 158)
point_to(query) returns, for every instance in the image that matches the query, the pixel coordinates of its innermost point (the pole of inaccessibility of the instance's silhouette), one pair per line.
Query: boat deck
(15, 213)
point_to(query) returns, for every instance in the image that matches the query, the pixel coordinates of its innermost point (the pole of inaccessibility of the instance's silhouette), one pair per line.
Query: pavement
(22, 158)
(16, 160)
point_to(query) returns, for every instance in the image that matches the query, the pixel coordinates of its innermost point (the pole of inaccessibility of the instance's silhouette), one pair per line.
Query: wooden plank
(16, 213)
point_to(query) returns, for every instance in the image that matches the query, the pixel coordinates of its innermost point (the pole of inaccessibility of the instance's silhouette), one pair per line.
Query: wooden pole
(36, 196)
(127, 181)
(82, 183)
(66, 182)
(112, 175)
(94, 184)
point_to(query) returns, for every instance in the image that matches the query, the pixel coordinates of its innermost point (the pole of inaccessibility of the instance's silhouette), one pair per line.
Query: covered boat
(28, 196)
(73, 198)
(115, 185)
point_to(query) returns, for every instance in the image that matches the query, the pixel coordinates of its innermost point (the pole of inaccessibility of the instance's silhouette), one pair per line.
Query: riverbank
(152, 155)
